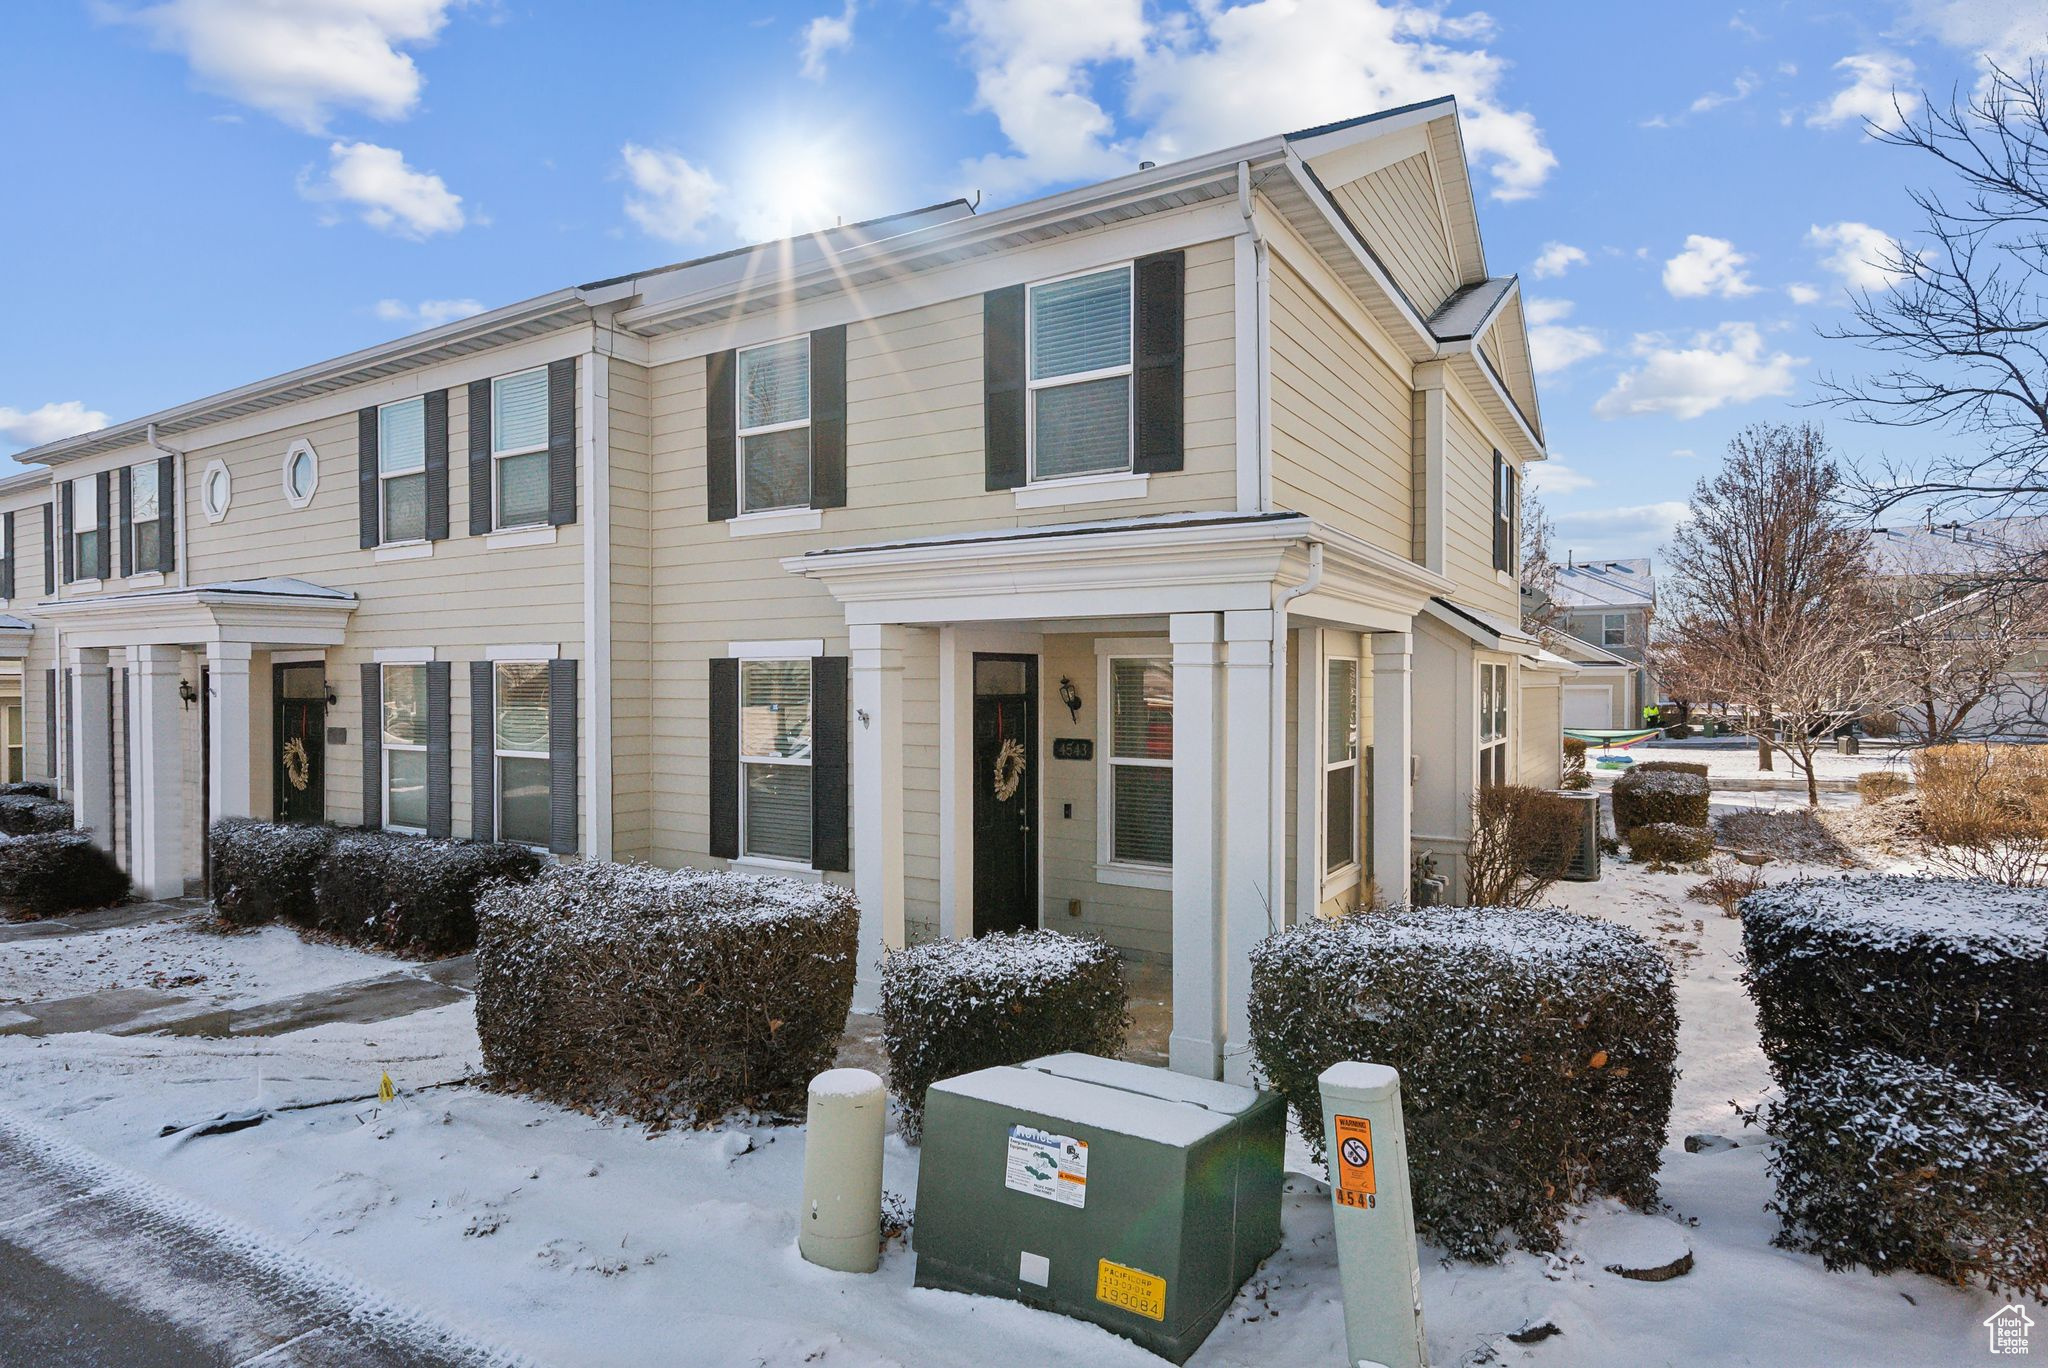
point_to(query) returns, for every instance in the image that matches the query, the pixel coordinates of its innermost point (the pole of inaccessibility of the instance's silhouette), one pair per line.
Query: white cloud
(1727, 365)
(825, 35)
(1034, 62)
(1745, 85)
(1552, 345)
(301, 61)
(389, 195)
(1555, 477)
(1866, 258)
(1878, 92)
(1683, 453)
(1999, 31)
(1799, 292)
(1708, 266)
(672, 198)
(428, 313)
(1633, 529)
(33, 427)
(1555, 259)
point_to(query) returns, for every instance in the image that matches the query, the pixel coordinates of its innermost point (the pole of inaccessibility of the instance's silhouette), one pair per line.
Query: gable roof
(1609, 584)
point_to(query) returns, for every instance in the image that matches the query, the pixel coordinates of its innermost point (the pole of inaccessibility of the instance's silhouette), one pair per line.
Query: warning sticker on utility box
(1133, 1289)
(1356, 1183)
(1047, 1165)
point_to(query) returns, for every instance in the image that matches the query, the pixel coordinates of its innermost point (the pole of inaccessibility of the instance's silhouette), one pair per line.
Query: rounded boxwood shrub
(669, 996)
(1536, 1049)
(1653, 791)
(950, 1007)
(1894, 1163)
(58, 871)
(1670, 843)
(264, 871)
(28, 814)
(1950, 971)
(411, 893)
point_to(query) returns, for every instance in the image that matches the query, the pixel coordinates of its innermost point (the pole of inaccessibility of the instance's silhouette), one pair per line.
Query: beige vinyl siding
(632, 533)
(1343, 422)
(1539, 721)
(1468, 512)
(1506, 346)
(1397, 211)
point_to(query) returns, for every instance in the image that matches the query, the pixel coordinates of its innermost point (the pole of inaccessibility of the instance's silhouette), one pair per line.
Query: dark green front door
(1005, 793)
(299, 778)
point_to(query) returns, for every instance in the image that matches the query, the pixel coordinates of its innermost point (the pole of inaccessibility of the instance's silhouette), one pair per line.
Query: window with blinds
(402, 471)
(1493, 724)
(1340, 765)
(519, 448)
(1080, 375)
(85, 530)
(145, 504)
(1140, 761)
(404, 746)
(775, 759)
(520, 738)
(775, 425)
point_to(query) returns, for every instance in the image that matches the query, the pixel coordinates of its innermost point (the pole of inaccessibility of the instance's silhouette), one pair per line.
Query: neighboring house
(1139, 560)
(1604, 609)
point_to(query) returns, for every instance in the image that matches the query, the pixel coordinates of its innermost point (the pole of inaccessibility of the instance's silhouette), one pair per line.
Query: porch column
(156, 769)
(1250, 906)
(876, 684)
(227, 665)
(92, 752)
(1196, 1046)
(1393, 792)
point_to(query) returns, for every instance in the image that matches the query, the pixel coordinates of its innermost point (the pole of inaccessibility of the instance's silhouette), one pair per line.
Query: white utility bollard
(1368, 1152)
(840, 1226)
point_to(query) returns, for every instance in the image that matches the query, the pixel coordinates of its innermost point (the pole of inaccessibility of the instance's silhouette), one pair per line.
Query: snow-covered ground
(1738, 760)
(581, 1240)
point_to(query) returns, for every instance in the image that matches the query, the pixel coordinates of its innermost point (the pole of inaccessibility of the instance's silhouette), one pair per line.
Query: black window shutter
(1157, 364)
(7, 565)
(725, 758)
(829, 845)
(69, 760)
(562, 756)
(1003, 390)
(479, 458)
(440, 752)
(49, 548)
(721, 438)
(103, 507)
(127, 521)
(437, 465)
(562, 441)
(373, 742)
(66, 516)
(366, 478)
(483, 753)
(50, 721)
(167, 512)
(828, 418)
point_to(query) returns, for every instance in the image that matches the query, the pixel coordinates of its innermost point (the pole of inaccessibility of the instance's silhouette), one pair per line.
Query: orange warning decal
(1356, 1183)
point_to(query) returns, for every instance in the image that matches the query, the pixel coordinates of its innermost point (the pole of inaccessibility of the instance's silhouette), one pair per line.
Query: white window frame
(498, 523)
(1108, 868)
(135, 524)
(297, 500)
(1484, 744)
(206, 487)
(88, 486)
(745, 856)
(741, 434)
(499, 754)
(1032, 385)
(383, 476)
(386, 746)
(1619, 628)
(1355, 763)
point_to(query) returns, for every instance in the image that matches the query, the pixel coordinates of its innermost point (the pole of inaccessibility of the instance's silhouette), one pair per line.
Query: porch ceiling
(268, 613)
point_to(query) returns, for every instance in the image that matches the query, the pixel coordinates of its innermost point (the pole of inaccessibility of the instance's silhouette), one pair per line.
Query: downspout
(1253, 352)
(1283, 903)
(184, 522)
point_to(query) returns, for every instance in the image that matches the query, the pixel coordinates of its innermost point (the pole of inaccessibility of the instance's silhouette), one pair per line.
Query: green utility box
(1136, 1198)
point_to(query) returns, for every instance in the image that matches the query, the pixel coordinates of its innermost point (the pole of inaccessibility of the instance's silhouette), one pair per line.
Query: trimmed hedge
(33, 788)
(1950, 971)
(58, 871)
(1896, 1164)
(1655, 791)
(264, 871)
(26, 814)
(1536, 1047)
(950, 1007)
(1670, 843)
(669, 996)
(409, 892)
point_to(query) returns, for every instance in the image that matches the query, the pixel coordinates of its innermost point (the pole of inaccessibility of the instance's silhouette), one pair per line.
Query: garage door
(1589, 705)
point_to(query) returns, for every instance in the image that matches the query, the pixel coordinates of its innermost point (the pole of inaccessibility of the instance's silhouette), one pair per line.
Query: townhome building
(1605, 607)
(1136, 561)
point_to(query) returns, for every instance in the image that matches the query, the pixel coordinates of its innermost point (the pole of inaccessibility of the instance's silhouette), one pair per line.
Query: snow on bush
(1951, 971)
(670, 996)
(58, 871)
(26, 814)
(1660, 791)
(1536, 1049)
(410, 892)
(28, 789)
(950, 1007)
(1897, 1164)
(1669, 843)
(264, 871)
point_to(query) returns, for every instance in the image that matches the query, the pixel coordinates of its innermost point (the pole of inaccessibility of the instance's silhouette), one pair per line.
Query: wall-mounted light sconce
(862, 714)
(332, 699)
(1070, 696)
(187, 693)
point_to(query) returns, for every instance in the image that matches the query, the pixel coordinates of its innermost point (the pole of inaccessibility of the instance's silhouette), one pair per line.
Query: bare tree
(1763, 608)
(1540, 608)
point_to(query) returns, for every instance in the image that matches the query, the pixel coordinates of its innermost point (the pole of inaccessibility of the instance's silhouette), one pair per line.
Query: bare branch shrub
(1522, 843)
(1985, 811)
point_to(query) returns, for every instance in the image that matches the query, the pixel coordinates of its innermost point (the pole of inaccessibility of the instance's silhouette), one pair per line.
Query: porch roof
(1488, 631)
(278, 611)
(14, 636)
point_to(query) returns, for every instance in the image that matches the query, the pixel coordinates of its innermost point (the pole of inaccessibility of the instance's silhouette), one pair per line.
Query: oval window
(215, 490)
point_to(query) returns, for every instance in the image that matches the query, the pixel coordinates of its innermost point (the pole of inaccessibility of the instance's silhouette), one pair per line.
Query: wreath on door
(1009, 769)
(298, 766)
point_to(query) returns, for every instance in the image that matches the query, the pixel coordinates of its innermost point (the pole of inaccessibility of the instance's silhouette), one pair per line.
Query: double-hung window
(405, 747)
(775, 425)
(1613, 629)
(1340, 765)
(86, 549)
(1506, 514)
(145, 504)
(1080, 375)
(520, 740)
(775, 759)
(1493, 724)
(519, 448)
(1140, 761)
(402, 469)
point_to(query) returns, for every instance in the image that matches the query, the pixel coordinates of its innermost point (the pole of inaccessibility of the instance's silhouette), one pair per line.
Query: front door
(1005, 793)
(299, 778)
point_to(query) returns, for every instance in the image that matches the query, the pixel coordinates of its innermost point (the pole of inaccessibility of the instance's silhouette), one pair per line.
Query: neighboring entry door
(300, 776)
(1005, 793)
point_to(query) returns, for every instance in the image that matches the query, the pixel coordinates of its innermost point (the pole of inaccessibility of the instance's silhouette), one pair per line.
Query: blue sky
(204, 192)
